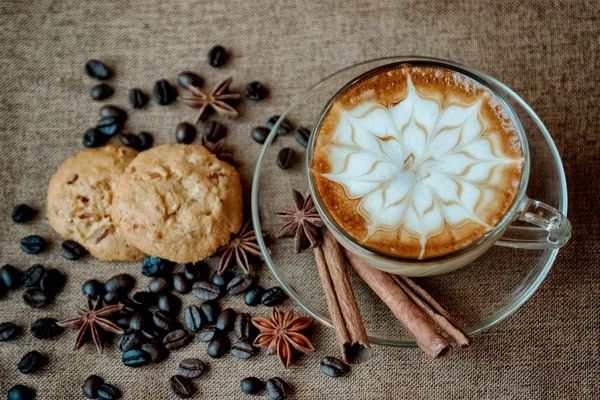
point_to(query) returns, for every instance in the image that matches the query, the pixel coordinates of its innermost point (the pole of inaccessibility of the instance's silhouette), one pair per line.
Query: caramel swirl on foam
(417, 161)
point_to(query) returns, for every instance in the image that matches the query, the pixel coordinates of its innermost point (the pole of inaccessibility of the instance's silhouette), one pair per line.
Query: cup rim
(494, 233)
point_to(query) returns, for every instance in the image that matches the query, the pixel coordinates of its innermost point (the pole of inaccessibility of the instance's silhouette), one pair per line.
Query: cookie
(79, 201)
(178, 202)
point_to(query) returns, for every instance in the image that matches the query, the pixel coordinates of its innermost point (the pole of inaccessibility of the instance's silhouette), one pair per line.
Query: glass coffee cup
(525, 224)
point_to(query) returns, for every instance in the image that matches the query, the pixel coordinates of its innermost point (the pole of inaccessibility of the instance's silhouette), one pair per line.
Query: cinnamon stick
(347, 320)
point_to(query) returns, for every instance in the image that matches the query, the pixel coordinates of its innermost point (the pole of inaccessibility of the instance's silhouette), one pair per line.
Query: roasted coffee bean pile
(41, 284)
(277, 388)
(94, 387)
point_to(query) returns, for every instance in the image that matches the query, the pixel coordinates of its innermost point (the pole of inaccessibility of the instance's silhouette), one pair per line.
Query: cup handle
(551, 229)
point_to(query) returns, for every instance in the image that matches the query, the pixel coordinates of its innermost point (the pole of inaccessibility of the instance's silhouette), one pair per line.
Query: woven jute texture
(547, 51)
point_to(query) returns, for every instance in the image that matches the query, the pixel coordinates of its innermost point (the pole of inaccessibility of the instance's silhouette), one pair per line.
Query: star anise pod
(238, 249)
(304, 223)
(92, 319)
(281, 334)
(215, 99)
(218, 149)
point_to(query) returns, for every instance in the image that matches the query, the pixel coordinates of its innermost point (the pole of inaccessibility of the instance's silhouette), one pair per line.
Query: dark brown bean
(286, 158)
(197, 271)
(137, 98)
(333, 367)
(91, 385)
(93, 289)
(182, 387)
(253, 296)
(239, 284)
(144, 141)
(96, 69)
(35, 298)
(33, 275)
(135, 358)
(259, 134)
(214, 131)
(21, 392)
(217, 56)
(164, 93)
(156, 352)
(31, 362)
(176, 339)
(71, 250)
(278, 389)
(218, 346)
(160, 284)
(108, 392)
(252, 385)
(207, 334)
(302, 136)
(243, 328)
(33, 244)
(12, 277)
(191, 368)
(273, 297)
(109, 126)
(129, 341)
(164, 322)
(226, 320)
(122, 283)
(45, 328)
(181, 284)
(101, 91)
(22, 213)
(8, 331)
(114, 111)
(193, 318)
(112, 298)
(211, 310)
(169, 303)
(185, 133)
(52, 282)
(242, 350)
(206, 290)
(129, 140)
(137, 322)
(187, 78)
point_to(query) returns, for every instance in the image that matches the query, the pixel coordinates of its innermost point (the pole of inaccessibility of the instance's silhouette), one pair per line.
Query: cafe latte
(416, 161)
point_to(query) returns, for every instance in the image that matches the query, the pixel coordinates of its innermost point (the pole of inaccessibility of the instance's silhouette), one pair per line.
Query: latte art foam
(417, 161)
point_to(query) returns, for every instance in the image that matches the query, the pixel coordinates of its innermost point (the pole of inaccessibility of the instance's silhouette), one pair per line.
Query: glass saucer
(479, 295)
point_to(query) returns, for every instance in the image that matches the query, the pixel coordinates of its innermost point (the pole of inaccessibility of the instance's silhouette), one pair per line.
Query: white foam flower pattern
(413, 164)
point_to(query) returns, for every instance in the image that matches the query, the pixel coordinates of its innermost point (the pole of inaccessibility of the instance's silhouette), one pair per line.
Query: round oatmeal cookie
(178, 202)
(79, 201)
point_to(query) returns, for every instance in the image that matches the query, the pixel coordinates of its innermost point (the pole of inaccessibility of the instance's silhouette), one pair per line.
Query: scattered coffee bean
(164, 93)
(206, 290)
(122, 283)
(101, 91)
(20, 392)
(225, 320)
(96, 69)
(11, 277)
(22, 213)
(277, 389)
(242, 350)
(196, 271)
(144, 141)
(3, 289)
(160, 284)
(284, 127)
(45, 328)
(156, 352)
(243, 328)
(52, 282)
(108, 392)
(135, 358)
(333, 367)
(114, 111)
(273, 297)
(169, 303)
(8, 331)
(91, 385)
(128, 341)
(259, 134)
(156, 266)
(181, 284)
(31, 362)
(137, 98)
(111, 298)
(252, 385)
(93, 289)
(109, 126)
(176, 339)
(214, 131)
(71, 250)
(239, 284)
(144, 300)
(253, 296)
(221, 280)
(33, 244)
(185, 133)
(35, 298)
(217, 56)
(94, 138)
(122, 320)
(152, 334)
(164, 322)
(182, 387)
(137, 322)
(211, 311)
(129, 140)
(286, 158)
(191, 368)
(187, 78)
(218, 346)
(256, 91)
(302, 136)
(207, 334)
(193, 318)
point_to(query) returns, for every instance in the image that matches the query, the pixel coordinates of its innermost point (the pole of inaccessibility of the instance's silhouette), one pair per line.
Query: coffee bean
(111, 298)
(108, 392)
(122, 320)
(259, 134)
(135, 358)
(164, 322)
(144, 141)
(31, 362)
(243, 328)
(286, 158)
(191, 368)
(207, 334)
(128, 341)
(256, 91)
(94, 138)
(221, 280)
(218, 346)
(144, 300)
(253, 296)
(93, 289)
(45, 328)
(302, 136)
(8, 331)
(284, 127)
(11, 277)
(152, 334)
(169, 303)
(333, 367)
(273, 297)
(137, 322)
(122, 283)
(217, 56)
(164, 93)
(160, 284)
(129, 140)
(137, 98)
(214, 131)
(52, 282)
(193, 318)
(156, 352)
(225, 320)
(187, 78)
(33, 244)
(211, 311)
(71, 250)
(91, 385)
(22, 213)
(35, 298)
(181, 284)
(206, 290)
(114, 111)
(156, 266)
(252, 385)
(277, 389)
(182, 387)
(101, 91)
(196, 271)
(239, 284)
(176, 339)
(242, 350)
(109, 126)
(96, 69)
(20, 392)
(185, 133)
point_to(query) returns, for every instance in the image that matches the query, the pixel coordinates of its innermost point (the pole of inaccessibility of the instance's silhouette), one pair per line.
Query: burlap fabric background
(547, 51)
